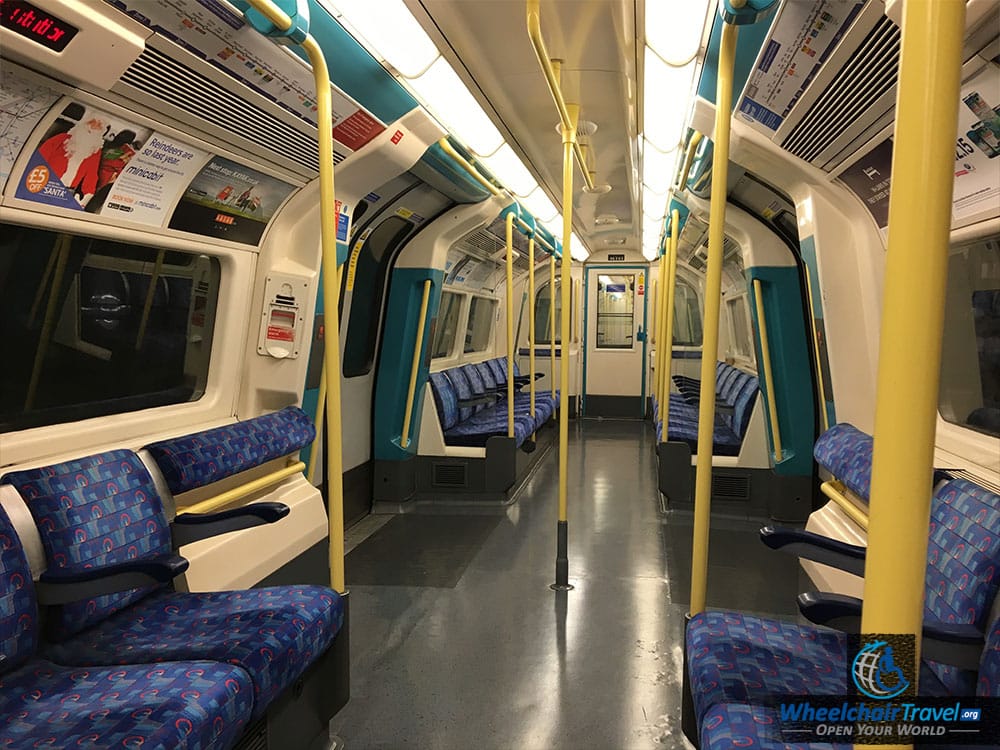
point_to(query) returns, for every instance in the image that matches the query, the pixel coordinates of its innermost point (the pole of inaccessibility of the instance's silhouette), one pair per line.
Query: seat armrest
(193, 527)
(832, 610)
(959, 645)
(485, 398)
(816, 547)
(724, 410)
(58, 586)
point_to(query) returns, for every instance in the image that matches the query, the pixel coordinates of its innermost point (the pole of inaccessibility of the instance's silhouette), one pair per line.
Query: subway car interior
(500, 374)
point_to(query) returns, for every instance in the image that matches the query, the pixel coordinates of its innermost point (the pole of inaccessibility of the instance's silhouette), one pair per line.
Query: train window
(447, 325)
(687, 315)
(970, 362)
(369, 289)
(615, 313)
(542, 323)
(477, 333)
(742, 336)
(95, 327)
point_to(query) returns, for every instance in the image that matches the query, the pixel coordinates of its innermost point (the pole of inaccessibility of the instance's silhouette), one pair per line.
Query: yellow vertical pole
(531, 321)
(510, 324)
(147, 306)
(552, 327)
(668, 322)
(319, 422)
(916, 270)
(765, 354)
(562, 553)
(710, 339)
(819, 362)
(661, 288)
(331, 342)
(418, 346)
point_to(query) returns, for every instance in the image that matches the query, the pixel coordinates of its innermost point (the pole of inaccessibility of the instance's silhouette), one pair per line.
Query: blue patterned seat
(846, 452)
(198, 705)
(195, 460)
(737, 658)
(104, 509)
(730, 725)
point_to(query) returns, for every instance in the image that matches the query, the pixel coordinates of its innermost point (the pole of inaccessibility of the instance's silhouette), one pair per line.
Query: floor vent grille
(450, 475)
(729, 487)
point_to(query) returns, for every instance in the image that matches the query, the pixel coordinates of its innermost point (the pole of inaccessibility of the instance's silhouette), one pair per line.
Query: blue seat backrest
(743, 402)
(198, 459)
(489, 379)
(463, 388)
(963, 554)
(727, 385)
(478, 386)
(989, 664)
(517, 370)
(846, 452)
(499, 373)
(18, 611)
(963, 565)
(98, 510)
(445, 399)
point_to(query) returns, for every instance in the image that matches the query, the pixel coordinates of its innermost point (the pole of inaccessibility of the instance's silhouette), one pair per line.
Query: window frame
(493, 306)
(461, 317)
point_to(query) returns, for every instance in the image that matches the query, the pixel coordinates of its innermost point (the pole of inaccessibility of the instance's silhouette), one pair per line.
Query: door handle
(641, 335)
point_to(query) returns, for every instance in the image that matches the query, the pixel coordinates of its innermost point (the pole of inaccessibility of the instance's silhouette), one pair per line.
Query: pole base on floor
(562, 560)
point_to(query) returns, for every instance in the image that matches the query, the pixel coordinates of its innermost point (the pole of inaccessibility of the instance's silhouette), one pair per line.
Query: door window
(615, 311)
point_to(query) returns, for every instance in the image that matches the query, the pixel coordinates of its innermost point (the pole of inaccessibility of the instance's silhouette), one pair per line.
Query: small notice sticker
(352, 263)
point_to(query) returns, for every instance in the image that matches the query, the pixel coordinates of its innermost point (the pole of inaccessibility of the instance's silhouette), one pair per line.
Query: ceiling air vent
(857, 97)
(482, 241)
(166, 79)
(449, 475)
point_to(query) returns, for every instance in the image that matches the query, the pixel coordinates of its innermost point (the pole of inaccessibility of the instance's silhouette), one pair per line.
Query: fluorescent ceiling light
(538, 203)
(510, 170)
(657, 167)
(577, 250)
(390, 31)
(674, 29)
(654, 205)
(666, 101)
(443, 92)
(650, 252)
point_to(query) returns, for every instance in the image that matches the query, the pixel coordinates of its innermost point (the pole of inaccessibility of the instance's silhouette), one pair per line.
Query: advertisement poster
(977, 147)
(803, 37)
(869, 179)
(229, 201)
(79, 157)
(24, 100)
(218, 35)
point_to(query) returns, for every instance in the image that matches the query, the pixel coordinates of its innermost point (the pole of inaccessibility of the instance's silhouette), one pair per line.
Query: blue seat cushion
(738, 658)
(989, 665)
(273, 634)
(201, 458)
(846, 452)
(730, 725)
(98, 510)
(473, 433)
(194, 705)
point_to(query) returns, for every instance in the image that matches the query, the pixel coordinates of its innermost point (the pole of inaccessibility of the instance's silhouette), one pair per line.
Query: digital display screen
(36, 24)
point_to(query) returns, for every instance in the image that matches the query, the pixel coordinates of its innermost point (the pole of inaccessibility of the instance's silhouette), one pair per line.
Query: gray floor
(498, 660)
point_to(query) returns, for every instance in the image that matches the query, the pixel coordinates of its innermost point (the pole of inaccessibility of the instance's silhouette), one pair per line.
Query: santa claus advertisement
(79, 158)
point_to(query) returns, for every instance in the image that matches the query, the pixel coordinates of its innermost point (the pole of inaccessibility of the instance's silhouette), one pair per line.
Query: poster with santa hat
(79, 157)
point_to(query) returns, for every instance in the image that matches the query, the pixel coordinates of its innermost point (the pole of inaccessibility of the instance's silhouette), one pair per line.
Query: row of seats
(103, 546)
(471, 403)
(736, 392)
(738, 663)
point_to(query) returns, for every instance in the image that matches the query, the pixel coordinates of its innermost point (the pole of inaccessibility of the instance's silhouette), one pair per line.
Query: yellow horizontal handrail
(765, 354)
(835, 491)
(418, 347)
(552, 79)
(689, 159)
(238, 493)
(468, 167)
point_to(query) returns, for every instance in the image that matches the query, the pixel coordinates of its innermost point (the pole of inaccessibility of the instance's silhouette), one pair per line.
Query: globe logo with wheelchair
(876, 674)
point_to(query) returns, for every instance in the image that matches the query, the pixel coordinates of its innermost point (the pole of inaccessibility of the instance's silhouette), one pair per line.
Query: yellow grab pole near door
(765, 355)
(552, 326)
(710, 338)
(668, 325)
(912, 316)
(331, 342)
(531, 321)
(661, 288)
(509, 222)
(418, 346)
